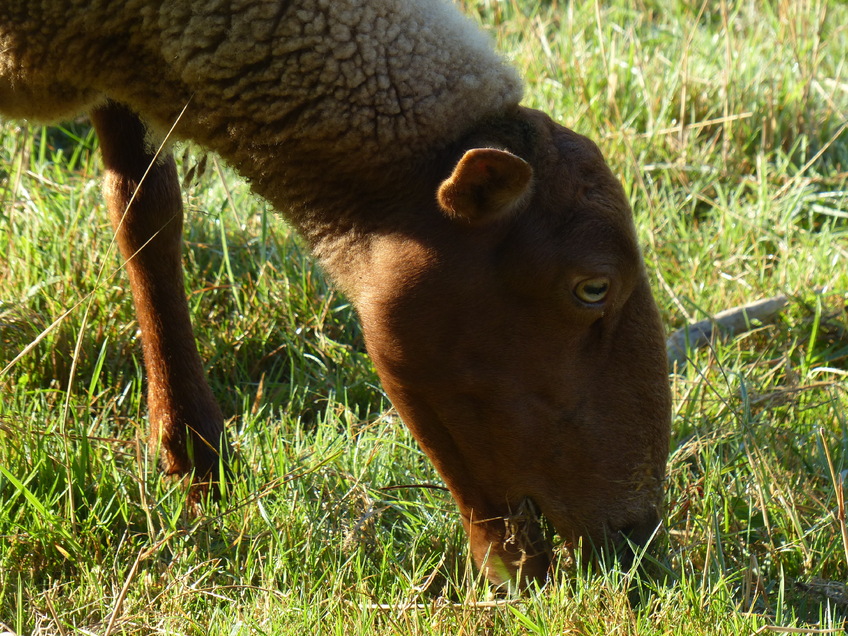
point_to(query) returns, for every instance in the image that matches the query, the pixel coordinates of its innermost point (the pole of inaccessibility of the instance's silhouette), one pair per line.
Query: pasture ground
(726, 121)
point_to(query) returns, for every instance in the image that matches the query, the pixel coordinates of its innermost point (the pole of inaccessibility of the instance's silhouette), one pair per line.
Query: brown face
(516, 334)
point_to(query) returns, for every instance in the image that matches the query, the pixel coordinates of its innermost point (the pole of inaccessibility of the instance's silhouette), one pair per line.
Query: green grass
(725, 122)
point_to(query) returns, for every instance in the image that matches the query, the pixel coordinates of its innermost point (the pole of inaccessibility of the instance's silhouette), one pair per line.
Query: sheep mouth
(534, 535)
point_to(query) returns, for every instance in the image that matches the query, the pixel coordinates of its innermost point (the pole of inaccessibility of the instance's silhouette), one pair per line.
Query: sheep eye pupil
(593, 290)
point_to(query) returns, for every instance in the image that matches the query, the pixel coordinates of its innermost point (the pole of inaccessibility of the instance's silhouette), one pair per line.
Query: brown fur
(465, 229)
(145, 208)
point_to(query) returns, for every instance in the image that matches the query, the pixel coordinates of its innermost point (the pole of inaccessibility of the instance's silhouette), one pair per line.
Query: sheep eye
(592, 290)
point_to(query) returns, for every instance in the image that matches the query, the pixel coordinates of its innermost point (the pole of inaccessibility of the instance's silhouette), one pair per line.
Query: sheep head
(516, 334)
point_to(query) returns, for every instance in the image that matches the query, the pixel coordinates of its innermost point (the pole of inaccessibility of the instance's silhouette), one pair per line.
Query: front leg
(146, 212)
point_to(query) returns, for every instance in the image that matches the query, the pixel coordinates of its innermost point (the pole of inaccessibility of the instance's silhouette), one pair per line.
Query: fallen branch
(799, 630)
(725, 324)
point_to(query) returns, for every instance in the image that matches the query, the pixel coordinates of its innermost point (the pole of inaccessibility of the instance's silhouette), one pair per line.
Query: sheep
(490, 253)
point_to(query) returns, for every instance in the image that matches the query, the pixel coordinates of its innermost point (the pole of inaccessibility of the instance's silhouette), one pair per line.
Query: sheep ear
(486, 184)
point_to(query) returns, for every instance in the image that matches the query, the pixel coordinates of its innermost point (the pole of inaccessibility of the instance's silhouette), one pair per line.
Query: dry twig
(724, 324)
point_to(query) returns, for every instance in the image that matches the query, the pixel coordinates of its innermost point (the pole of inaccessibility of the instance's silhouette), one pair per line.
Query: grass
(726, 123)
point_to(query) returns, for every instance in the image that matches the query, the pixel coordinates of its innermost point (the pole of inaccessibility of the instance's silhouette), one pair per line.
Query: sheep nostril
(631, 539)
(641, 532)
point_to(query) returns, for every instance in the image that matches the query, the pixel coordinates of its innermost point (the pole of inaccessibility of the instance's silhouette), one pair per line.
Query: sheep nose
(632, 540)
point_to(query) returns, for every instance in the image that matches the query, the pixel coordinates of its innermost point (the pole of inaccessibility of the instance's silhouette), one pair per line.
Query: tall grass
(726, 123)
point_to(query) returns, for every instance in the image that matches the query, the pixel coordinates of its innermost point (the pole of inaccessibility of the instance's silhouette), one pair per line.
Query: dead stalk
(840, 495)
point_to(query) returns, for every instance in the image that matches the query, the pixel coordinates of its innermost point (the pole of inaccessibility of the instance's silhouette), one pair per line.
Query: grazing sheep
(490, 253)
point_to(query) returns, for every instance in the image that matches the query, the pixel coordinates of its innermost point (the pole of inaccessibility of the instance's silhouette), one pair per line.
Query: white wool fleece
(388, 78)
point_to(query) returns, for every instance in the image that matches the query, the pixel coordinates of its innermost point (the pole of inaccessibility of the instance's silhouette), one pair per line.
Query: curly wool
(384, 78)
